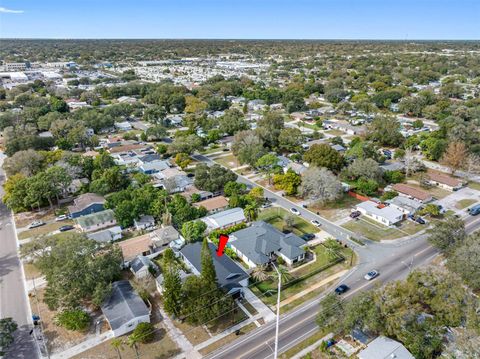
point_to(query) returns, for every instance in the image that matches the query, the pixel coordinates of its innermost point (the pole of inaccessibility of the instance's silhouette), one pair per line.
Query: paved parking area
(450, 202)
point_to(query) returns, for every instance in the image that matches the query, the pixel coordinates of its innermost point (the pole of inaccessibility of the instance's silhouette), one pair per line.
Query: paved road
(394, 260)
(13, 299)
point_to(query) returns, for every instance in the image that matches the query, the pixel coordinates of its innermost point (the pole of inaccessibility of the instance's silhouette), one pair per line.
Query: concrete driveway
(450, 201)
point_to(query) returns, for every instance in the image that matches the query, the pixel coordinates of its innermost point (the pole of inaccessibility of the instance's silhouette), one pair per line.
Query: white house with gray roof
(261, 243)
(406, 205)
(385, 348)
(224, 219)
(124, 309)
(386, 215)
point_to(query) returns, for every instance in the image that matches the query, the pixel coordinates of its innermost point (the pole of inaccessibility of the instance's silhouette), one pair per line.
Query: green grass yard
(464, 203)
(376, 231)
(276, 217)
(474, 185)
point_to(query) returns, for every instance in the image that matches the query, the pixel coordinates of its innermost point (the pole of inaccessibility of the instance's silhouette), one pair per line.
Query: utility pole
(278, 310)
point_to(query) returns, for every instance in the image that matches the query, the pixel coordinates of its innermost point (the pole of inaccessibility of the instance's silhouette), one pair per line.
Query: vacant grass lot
(229, 161)
(376, 231)
(338, 209)
(276, 217)
(474, 185)
(464, 203)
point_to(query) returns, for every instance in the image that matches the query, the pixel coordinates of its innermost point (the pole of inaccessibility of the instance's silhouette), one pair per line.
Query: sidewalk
(177, 336)
(259, 306)
(80, 348)
(39, 283)
(313, 287)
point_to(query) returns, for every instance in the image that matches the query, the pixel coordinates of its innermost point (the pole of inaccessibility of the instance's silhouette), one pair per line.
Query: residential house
(106, 235)
(123, 126)
(95, 221)
(152, 167)
(136, 246)
(298, 168)
(338, 148)
(283, 161)
(144, 223)
(124, 309)
(261, 243)
(230, 276)
(224, 219)
(213, 205)
(86, 203)
(141, 266)
(444, 181)
(411, 192)
(165, 236)
(392, 166)
(406, 205)
(76, 185)
(385, 215)
(191, 189)
(385, 348)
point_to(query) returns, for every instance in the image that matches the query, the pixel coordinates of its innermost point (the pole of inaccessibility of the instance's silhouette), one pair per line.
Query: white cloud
(10, 11)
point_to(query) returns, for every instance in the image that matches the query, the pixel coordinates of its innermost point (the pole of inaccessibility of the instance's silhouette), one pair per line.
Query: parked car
(342, 288)
(474, 210)
(36, 224)
(65, 228)
(308, 236)
(295, 211)
(61, 217)
(355, 214)
(315, 223)
(372, 274)
(266, 205)
(420, 220)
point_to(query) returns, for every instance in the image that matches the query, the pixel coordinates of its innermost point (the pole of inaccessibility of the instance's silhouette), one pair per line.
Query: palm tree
(251, 212)
(132, 343)
(259, 273)
(283, 274)
(117, 343)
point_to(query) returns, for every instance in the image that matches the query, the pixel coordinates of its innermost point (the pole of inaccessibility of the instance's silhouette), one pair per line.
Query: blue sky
(241, 19)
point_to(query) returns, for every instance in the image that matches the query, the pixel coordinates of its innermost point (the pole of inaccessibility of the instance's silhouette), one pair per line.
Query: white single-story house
(124, 309)
(106, 235)
(144, 223)
(123, 126)
(385, 215)
(95, 221)
(385, 348)
(406, 205)
(444, 181)
(224, 219)
(261, 243)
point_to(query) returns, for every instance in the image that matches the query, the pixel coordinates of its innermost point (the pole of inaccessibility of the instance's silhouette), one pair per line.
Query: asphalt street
(394, 260)
(13, 298)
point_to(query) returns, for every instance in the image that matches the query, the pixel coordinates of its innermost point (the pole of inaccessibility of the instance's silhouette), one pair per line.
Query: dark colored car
(65, 228)
(420, 220)
(308, 236)
(341, 289)
(355, 214)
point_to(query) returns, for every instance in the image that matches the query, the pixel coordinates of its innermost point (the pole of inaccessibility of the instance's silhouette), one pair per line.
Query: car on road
(355, 214)
(65, 228)
(61, 217)
(420, 220)
(342, 288)
(36, 224)
(315, 223)
(266, 205)
(372, 274)
(308, 236)
(474, 210)
(295, 211)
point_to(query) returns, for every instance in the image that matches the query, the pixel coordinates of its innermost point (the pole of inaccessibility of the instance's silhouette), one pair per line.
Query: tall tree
(209, 275)
(7, 327)
(322, 155)
(172, 291)
(320, 185)
(455, 156)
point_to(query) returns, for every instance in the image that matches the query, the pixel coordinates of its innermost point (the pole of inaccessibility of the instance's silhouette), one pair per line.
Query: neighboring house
(224, 219)
(141, 266)
(144, 223)
(191, 189)
(141, 245)
(96, 221)
(298, 168)
(77, 184)
(392, 166)
(338, 148)
(261, 243)
(159, 279)
(86, 203)
(411, 192)
(283, 161)
(385, 348)
(408, 206)
(124, 309)
(385, 215)
(164, 236)
(213, 205)
(152, 167)
(230, 275)
(123, 126)
(444, 181)
(106, 235)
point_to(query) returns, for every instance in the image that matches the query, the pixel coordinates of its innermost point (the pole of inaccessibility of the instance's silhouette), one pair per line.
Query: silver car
(372, 274)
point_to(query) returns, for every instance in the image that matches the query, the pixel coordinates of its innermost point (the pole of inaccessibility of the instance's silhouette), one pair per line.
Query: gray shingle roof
(261, 239)
(229, 273)
(96, 218)
(123, 305)
(139, 262)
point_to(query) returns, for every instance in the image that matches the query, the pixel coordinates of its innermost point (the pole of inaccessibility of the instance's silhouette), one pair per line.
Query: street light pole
(278, 310)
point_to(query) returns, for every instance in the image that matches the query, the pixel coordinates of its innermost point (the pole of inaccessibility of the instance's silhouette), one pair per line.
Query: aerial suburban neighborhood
(239, 198)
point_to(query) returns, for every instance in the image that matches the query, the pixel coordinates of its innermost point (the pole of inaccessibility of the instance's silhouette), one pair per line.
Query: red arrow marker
(222, 242)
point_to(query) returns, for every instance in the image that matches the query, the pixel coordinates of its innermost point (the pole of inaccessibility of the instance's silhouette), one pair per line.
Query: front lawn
(276, 217)
(464, 203)
(45, 229)
(376, 231)
(229, 161)
(474, 185)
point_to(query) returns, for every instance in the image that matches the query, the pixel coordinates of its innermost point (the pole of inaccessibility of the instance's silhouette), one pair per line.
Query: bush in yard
(144, 332)
(75, 319)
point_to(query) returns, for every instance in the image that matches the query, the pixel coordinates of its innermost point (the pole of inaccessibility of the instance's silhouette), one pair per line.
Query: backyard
(276, 216)
(376, 231)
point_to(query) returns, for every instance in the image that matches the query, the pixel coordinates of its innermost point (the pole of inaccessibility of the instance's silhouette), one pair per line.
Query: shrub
(75, 319)
(144, 332)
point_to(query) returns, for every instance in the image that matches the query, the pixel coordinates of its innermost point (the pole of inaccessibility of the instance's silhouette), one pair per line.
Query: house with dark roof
(261, 243)
(86, 203)
(230, 276)
(124, 309)
(141, 266)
